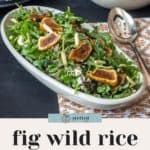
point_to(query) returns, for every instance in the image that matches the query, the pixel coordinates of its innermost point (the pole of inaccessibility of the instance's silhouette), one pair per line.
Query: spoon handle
(142, 64)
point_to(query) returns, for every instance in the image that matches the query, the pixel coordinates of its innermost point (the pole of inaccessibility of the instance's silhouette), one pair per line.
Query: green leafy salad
(81, 58)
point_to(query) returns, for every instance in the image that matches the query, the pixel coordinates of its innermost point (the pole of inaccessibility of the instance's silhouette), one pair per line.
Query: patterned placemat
(138, 110)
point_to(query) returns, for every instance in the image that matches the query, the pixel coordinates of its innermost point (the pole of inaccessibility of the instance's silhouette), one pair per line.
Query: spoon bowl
(122, 26)
(123, 29)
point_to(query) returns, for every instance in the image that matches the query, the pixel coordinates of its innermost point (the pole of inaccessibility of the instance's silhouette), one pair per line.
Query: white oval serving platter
(67, 92)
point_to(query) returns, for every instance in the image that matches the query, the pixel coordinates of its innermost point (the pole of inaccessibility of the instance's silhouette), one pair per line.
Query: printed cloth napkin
(139, 110)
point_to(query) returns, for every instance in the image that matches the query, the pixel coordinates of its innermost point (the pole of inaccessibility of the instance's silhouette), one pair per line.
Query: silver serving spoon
(123, 29)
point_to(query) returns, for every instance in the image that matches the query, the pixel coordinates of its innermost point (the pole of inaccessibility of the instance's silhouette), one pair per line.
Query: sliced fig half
(108, 51)
(49, 22)
(106, 76)
(81, 53)
(46, 42)
(38, 17)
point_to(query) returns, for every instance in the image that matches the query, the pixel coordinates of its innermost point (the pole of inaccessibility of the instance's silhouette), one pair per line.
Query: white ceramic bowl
(81, 98)
(126, 4)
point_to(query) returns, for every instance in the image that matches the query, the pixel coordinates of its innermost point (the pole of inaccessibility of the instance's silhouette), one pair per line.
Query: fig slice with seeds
(121, 78)
(46, 42)
(108, 51)
(81, 53)
(106, 76)
(38, 17)
(49, 22)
